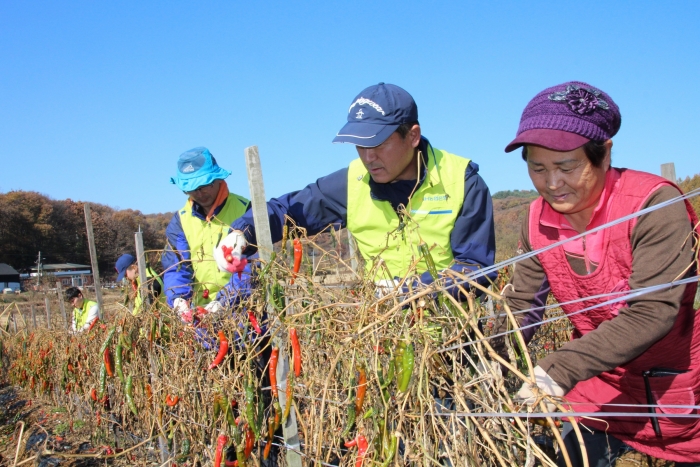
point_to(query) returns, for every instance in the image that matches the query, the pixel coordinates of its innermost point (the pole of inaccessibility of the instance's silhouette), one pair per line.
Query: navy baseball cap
(123, 263)
(375, 114)
(197, 167)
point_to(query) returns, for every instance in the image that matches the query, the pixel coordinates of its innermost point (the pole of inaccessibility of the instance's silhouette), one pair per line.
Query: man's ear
(414, 135)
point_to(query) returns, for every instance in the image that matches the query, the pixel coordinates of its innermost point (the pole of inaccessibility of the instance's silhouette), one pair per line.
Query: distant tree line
(515, 194)
(31, 222)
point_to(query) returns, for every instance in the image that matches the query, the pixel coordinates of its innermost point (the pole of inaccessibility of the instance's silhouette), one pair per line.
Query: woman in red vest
(645, 350)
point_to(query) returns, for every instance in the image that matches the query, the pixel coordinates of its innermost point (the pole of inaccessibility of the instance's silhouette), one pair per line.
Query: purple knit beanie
(567, 116)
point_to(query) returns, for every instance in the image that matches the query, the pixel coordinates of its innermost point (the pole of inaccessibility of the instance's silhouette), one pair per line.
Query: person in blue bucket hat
(191, 278)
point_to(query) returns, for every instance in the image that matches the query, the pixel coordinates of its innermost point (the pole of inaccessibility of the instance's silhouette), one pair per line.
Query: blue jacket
(325, 203)
(178, 274)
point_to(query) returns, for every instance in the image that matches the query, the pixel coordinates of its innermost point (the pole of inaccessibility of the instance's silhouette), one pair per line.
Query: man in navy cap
(401, 191)
(190, 276)
(128, 268)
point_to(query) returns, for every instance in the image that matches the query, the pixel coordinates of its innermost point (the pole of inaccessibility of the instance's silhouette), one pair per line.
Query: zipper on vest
(585, 256)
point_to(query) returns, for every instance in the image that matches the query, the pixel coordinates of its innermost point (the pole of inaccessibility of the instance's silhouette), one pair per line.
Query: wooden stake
(61, 304)
(264, 238)
(33, 316)
(48, 312)
(93, 259)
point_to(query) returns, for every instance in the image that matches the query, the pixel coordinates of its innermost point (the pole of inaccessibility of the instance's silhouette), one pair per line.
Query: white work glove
(386, 287)
(213, 307)
(547, 385)
(229, 253)
(182, 308)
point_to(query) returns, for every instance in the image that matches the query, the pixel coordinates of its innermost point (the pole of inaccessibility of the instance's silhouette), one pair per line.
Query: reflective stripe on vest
(432, 211)
(202, 237)
(81, 314)
(150, 274)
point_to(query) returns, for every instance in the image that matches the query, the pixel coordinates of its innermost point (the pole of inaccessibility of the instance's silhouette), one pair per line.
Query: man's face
(393, 159)
(131, 273)
(77, 302)
(568, 181)
(205, 195)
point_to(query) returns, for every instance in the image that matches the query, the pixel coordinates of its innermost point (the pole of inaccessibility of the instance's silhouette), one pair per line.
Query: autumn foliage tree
(31, 222)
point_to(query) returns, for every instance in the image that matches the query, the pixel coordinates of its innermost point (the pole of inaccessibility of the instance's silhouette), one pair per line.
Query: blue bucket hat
(123, 263)
(197, 167)
(375, 114)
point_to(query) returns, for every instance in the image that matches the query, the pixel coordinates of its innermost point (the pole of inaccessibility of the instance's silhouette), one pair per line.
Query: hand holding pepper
(229, 253)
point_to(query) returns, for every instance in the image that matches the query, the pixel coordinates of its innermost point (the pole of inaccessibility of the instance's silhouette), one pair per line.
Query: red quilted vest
(626, 191)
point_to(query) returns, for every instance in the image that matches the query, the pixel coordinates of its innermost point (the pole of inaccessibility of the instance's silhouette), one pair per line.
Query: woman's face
(568, 181)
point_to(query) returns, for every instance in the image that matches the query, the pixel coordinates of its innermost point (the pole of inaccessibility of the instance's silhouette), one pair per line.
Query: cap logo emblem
(581, 101)
(359, 114)
(363, 101)
(187, 169)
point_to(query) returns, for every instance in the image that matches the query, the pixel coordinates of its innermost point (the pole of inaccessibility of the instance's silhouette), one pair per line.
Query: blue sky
(98, 99)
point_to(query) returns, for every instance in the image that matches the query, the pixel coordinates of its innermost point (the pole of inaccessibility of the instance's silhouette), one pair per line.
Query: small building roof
(61, 267)
(7, 270)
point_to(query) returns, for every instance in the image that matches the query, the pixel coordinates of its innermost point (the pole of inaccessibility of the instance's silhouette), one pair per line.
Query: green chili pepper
(108, 340)
(184, 450)
(352, 413)
(263, 273)
(225, 407)
(250, 407)
(391, 452)
(278, 297)
(408, 361)
(129, 392)
(103, 379)
(118, 362)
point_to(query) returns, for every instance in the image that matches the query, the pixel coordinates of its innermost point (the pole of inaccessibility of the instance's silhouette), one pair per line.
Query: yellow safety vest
(430, 218)
(80, 315)
(202, 237)
(138, 300)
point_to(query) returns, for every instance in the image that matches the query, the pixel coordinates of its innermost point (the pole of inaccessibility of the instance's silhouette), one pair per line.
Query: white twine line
(565, 415)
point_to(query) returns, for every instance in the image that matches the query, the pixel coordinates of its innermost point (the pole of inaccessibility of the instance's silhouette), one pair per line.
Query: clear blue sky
(98, 99)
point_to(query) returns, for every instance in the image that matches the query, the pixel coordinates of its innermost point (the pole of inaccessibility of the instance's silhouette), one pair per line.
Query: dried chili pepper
(361, 389)
(298, 251)
(221, 442)
(254, 322)
(108, 363)
(272, 370)
(129, 393)
(223, 350)
(289, 393)
(171, 401)
(270, 437)
(296, 351)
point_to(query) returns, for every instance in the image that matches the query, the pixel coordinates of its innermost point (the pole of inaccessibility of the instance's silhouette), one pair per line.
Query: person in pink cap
(642, 355)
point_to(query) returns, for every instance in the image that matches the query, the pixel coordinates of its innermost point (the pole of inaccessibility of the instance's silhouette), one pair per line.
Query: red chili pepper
(220, 444)
(361, 389)
(149, 393)
(270, 437)
(254, 321)
(205, 293)
(361, 442)
(249, 441)
(272, 369)
(93, 394)
(223, 350)
(108, 363)
(92, 325)
(171, 401)
(298, 250)
(296, 351)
